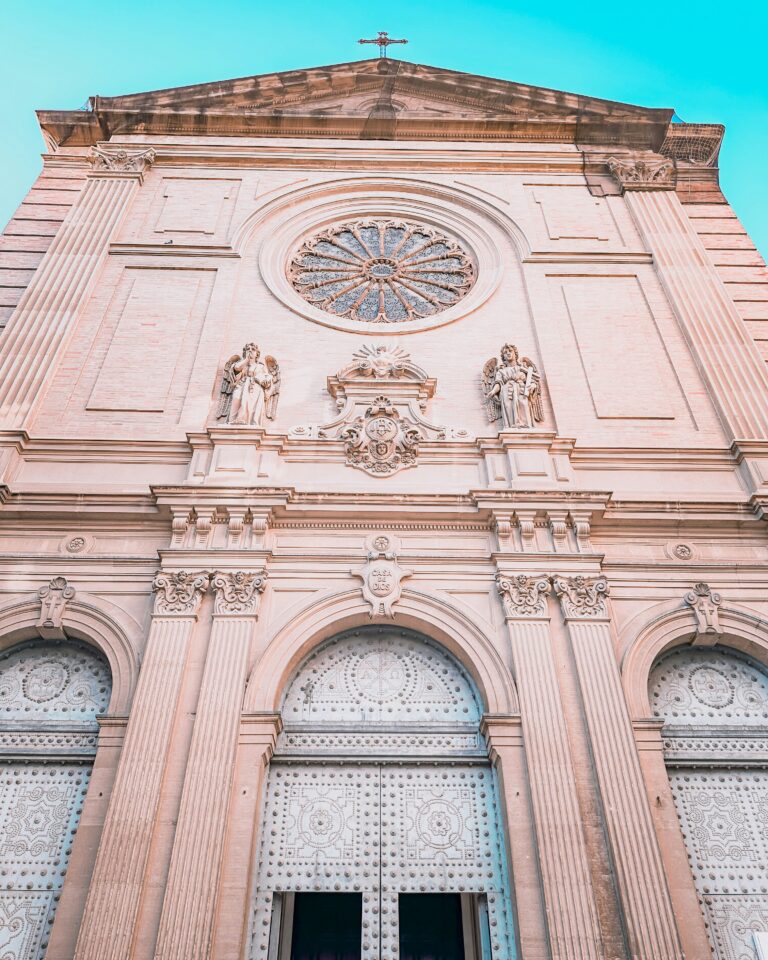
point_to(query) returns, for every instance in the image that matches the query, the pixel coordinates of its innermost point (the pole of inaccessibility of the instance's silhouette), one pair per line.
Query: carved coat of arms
(382, 441)
(381, 576)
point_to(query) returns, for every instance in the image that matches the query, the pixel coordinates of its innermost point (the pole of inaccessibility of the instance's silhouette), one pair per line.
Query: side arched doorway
(50, 695)
(381, 836)
(714, 703)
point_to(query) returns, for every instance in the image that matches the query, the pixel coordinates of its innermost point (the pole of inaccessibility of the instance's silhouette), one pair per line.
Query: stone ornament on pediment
(179, 592)
(238, 593)
(381, 575)
(640, 173)
(582, 597)
(381, 396)
(112, 160)
(704, 602)
(523, 596)
(54, 597)
(249, 388)
(511, 389)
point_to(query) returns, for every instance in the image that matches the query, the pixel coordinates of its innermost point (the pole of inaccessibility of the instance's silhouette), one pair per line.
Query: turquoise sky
(706, 60)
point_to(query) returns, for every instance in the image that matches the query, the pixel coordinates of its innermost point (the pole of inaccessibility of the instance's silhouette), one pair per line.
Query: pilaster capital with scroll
(111, 160)
(53, 597)
(179, 593)
(238, 594)
(523, 596)
(582, 598)
(641, 173)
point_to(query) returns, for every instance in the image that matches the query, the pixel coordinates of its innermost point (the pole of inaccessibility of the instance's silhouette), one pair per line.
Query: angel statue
(512, 390)
(249, 388)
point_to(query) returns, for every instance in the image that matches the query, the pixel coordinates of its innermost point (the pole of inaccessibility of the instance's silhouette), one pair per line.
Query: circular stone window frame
(278, 249)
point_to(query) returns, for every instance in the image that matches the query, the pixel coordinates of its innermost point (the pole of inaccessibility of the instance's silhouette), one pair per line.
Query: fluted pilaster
(39, 328)
(574, 930)
(193, 880)
(724, 350)
(642, 886)
(115, 892)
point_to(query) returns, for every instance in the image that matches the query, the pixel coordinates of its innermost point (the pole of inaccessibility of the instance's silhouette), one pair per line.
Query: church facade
(383, 551)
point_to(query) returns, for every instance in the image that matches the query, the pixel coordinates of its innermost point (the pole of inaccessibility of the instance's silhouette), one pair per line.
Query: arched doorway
(50, 694)
(381, 835)
(714, 703)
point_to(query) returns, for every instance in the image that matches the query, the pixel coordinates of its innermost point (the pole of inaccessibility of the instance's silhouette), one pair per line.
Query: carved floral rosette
(180, 592)
(239, 593)
(523, 596)
(582, 597)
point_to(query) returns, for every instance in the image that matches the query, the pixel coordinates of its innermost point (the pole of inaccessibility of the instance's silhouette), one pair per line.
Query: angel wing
(492, 404)
(272, 394)
(534, 391)
(226, 388)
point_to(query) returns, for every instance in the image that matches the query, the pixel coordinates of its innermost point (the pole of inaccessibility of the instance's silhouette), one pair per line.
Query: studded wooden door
(380, 786)
(715, 706)
(380, 830)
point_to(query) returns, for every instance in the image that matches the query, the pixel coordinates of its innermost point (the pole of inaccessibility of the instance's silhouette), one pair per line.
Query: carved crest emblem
(381, 576)
(382, 442)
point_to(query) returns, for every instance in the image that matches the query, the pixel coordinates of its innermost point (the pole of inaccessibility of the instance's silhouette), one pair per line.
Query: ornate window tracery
(715, 706)
(382, 271)
(50, 695)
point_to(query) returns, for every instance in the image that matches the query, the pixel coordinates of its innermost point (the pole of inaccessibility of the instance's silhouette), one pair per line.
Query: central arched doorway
(381, 836)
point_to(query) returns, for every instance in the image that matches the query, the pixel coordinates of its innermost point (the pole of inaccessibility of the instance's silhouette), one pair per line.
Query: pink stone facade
(555, 561)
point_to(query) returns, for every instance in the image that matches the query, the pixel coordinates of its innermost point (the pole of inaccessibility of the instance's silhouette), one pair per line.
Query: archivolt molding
(293, 639)
(675, 626)
(92, 621)
(310, 209)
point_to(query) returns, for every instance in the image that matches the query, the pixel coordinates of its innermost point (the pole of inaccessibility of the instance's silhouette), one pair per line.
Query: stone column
(725, 353)
(643, 893)
(186, 922)
(258, 736)
(574, 931)
(38, 331)
(113, 900)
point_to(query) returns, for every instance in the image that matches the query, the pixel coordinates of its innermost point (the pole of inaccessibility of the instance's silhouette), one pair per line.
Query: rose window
(382, 271)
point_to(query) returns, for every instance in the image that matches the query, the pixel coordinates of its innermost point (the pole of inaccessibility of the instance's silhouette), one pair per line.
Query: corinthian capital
(582, 597)
(238, 593)
(120, 161)
(638, 173)
(180, 592)
(523, 596)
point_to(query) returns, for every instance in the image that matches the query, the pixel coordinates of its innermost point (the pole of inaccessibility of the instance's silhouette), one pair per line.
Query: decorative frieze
(704, 602)
(179, 592)
(639, 173)
(523, 596)
(239, 593)
(381, 576)
(54, 597)
(582, 598)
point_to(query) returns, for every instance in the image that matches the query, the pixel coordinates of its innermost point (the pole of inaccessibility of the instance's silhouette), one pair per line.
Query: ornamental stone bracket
(54, 597)
(119, 161)
(643, 173)
(381, 576)
(382, 397)
(704, 602)
(238, 594)
(582, 598)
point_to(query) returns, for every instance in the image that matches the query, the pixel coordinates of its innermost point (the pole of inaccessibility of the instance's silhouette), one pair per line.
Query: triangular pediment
(378, 98)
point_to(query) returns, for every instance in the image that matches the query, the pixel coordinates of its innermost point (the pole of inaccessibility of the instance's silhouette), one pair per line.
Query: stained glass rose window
(381, 271)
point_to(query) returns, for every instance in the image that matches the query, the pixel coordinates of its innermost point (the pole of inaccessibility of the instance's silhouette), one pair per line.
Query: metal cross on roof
(383, 41)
